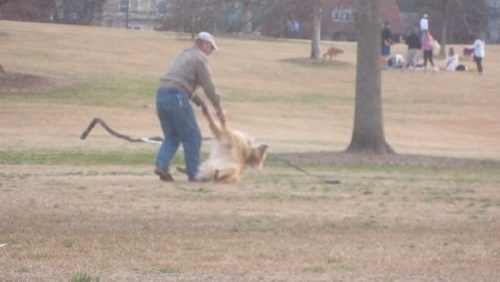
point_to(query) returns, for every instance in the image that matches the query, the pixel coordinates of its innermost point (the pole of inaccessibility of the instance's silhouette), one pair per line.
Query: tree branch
(464, 15)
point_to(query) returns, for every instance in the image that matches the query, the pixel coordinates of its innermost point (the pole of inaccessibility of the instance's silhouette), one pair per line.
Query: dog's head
(257, 157)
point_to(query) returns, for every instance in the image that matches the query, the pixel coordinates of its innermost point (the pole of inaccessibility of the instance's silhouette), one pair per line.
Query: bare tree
(2, 71)
(368, 132)
(255, 12)
(316, 36)
(82, 12)
(63, 11)
(28, 10)
(1, 3)
(247, 16)
(453, 10)
(456, 20)
(446, 6)
(191, 15)
(89, 10)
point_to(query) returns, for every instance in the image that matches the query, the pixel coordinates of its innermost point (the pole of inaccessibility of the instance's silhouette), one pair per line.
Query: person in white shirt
(452, 60)
(478, 49)
(424, 25)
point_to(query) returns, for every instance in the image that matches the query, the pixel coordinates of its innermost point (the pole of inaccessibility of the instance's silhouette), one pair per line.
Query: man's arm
(208, 85)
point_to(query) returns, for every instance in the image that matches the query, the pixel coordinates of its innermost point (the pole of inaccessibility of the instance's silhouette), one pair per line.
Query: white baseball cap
(425, 15)
(205, 36)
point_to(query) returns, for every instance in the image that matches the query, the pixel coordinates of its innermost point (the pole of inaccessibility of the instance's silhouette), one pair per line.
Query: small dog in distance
(332, 52)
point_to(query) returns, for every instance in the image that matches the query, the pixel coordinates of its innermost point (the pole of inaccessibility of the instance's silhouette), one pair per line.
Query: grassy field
(92, 210)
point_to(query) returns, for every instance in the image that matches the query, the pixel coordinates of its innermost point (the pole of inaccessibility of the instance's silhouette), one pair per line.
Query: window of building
(342, 15)
(142, 5)
(124, 6)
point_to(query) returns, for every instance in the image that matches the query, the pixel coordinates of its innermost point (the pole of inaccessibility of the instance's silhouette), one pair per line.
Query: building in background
(338, 20)
(133, 14)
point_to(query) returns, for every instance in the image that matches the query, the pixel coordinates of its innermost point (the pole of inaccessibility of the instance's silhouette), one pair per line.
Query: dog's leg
(214, 127)
(229, 175)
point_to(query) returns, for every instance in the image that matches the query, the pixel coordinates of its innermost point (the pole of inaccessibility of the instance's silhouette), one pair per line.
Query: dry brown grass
(119, 223)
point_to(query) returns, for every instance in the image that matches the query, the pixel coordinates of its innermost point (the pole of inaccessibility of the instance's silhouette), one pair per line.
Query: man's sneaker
(163, 174)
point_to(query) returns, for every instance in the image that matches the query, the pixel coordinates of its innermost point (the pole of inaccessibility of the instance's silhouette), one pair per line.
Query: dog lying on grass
(231, 154)
(332, 52)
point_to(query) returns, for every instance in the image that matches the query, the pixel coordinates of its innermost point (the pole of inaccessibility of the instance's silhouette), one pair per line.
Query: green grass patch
(100, 94)
(317, 269)
(168, 270)
(72, 157)
(68, 243)
(23, 269)
(84, 277)
(164, 270)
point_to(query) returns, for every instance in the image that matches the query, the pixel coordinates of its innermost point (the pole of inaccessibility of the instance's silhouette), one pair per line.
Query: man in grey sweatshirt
(177, 88)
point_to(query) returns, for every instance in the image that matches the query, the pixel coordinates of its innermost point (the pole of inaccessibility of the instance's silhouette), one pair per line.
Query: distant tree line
(225, 16)
(60, 11)
(450, 20)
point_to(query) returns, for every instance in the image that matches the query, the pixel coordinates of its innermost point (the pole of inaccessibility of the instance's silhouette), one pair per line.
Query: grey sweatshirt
(188, 71)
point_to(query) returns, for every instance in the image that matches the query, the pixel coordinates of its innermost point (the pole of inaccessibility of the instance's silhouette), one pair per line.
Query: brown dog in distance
(332, 52)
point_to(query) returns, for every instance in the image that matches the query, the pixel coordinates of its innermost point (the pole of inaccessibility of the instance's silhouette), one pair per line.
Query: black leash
(289, 163)
(152, 140)
(158, 140)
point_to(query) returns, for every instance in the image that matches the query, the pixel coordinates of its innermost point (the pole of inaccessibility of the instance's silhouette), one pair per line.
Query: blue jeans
(386, 49)
(179, 126)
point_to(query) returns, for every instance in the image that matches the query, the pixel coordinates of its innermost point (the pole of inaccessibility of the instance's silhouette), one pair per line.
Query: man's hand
(204, 108)
(222, 116)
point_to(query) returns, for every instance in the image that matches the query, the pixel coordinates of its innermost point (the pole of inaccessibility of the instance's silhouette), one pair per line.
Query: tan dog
(230, 155)
(332, 52)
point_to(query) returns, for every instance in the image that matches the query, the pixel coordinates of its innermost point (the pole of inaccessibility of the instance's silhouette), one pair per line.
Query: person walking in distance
(427, 44)
(178, 122)
(479, 52)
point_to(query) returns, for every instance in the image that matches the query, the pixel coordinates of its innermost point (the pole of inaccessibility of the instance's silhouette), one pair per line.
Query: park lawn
(88, 210)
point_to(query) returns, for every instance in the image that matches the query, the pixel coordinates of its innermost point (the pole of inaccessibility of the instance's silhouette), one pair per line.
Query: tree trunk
(316, 37)
(2, 71)
(444, 27)
(368, 132)
(247, 17)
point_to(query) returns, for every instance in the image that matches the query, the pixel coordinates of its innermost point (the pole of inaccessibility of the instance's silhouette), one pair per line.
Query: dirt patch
(316, 62)
(345, 159)
(12, 82)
